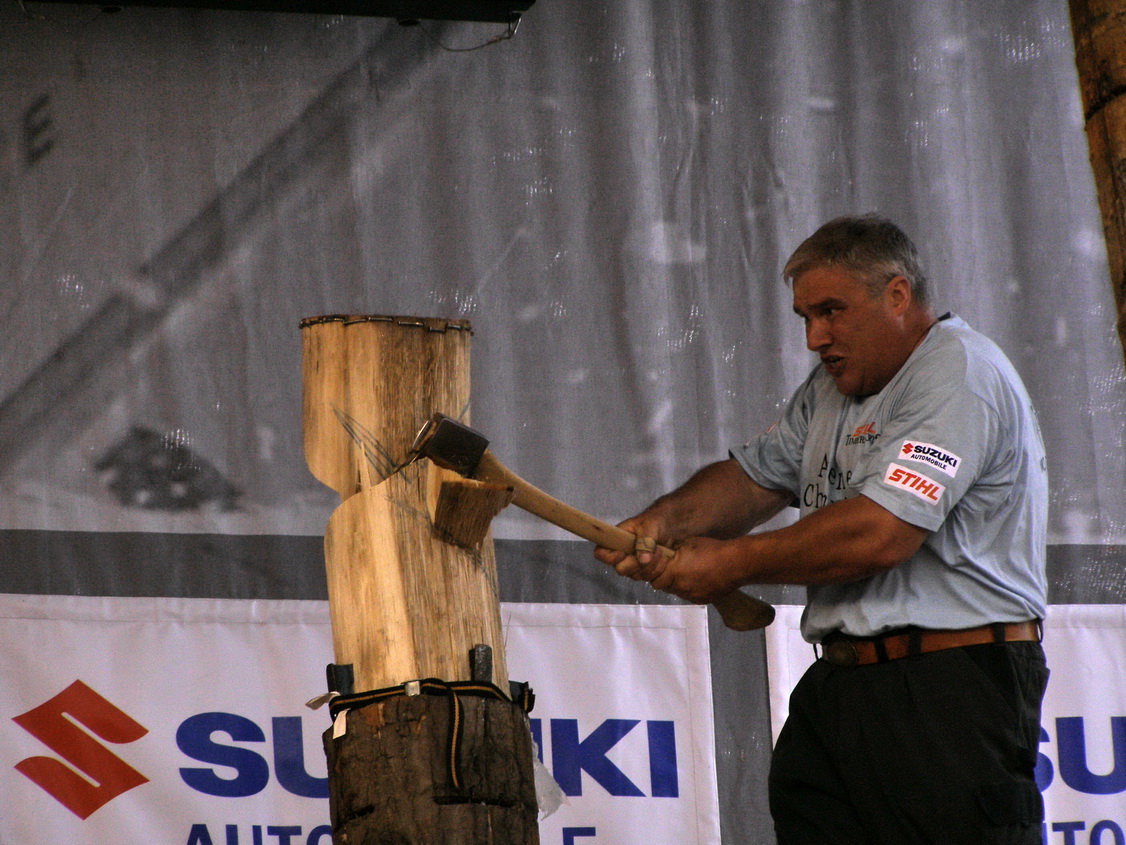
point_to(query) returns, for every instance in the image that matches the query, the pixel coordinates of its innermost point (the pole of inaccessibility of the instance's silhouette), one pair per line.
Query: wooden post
(1099, 29)
(405, 603)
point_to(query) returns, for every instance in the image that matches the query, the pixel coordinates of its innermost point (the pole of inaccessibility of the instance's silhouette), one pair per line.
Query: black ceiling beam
(497, 11)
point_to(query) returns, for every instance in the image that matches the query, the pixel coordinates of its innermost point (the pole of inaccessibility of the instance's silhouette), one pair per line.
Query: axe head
(450, 444)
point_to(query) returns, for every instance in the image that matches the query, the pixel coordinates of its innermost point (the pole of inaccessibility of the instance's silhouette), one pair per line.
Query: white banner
(182, 721)
(1082, 766)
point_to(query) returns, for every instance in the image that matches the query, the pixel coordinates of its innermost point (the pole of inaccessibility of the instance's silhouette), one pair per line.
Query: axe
(451, 445)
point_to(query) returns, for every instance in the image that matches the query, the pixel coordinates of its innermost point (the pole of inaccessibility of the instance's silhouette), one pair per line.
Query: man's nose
(816, 334)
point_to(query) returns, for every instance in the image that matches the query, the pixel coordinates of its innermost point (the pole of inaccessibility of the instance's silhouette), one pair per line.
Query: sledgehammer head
(450, 445)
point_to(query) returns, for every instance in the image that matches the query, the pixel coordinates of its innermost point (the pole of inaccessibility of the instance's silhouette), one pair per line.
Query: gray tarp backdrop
(608, 197)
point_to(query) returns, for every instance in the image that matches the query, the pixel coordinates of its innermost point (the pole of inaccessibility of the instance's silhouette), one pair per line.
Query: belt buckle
(840, 653)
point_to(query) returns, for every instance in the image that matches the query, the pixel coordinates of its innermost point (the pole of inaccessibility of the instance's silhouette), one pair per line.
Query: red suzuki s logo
(106, 775)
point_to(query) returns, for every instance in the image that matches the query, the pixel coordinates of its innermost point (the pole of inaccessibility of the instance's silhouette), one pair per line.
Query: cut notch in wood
(462, 509)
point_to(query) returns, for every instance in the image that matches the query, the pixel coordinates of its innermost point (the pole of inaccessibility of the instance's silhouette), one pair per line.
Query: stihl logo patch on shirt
(918, 485)
(928, 453)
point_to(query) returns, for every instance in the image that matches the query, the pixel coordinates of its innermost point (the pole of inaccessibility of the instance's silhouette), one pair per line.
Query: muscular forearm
(842, 542)
(704, 520)
(719, 501)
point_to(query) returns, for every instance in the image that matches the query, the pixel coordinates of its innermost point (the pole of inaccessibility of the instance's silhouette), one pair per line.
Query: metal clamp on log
(433, 686)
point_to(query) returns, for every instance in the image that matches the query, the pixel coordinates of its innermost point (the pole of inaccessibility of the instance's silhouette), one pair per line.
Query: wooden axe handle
(739, 611)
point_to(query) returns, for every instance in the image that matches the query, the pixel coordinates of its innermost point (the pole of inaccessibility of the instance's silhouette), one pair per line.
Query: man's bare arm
(719, 501)
(842, 542)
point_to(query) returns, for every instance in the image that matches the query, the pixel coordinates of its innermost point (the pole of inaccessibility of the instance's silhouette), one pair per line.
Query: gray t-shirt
(952, 445)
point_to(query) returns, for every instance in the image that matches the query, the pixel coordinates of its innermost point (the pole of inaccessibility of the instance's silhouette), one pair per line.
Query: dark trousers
(937, 749)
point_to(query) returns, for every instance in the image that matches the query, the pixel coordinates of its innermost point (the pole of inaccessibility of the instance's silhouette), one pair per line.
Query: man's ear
(898, 293)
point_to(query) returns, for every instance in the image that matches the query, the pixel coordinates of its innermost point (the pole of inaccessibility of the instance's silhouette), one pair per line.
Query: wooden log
(389, 781)
(404, 603)
(1099, 30)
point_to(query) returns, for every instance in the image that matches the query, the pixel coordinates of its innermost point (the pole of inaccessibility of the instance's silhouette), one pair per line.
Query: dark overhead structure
(498, 11)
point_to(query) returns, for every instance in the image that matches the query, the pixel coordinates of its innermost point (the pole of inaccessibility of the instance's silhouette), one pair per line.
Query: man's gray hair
(869, 246)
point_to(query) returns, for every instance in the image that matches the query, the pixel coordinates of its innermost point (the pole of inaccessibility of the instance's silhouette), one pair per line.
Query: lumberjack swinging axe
(457, 447)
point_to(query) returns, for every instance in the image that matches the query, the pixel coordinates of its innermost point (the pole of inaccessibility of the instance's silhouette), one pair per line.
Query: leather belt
(845, 651)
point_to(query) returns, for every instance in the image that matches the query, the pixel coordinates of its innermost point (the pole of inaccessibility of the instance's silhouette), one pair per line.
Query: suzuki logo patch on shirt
(918, 485)
(928, 453)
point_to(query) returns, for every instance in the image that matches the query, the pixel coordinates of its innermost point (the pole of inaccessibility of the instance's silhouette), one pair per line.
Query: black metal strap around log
(431, 324)
(521, 694)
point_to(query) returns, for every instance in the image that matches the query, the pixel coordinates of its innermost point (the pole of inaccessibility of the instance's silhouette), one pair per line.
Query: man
(914, 455)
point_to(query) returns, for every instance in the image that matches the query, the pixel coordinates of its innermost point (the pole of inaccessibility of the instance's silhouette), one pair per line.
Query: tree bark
(389, 782)
(1099, 29)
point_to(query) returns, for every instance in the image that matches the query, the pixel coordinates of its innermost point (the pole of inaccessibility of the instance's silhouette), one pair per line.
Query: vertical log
(406, 604)
(1099, 29)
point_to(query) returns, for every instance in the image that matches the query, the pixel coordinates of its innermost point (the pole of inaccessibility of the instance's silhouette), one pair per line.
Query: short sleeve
(773, 458)
(932, 450)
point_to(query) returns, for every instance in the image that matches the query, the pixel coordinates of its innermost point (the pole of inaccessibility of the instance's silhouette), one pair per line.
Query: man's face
(860, 339)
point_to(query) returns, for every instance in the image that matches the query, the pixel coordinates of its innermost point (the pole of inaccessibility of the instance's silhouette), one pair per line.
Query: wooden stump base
(390, 783)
